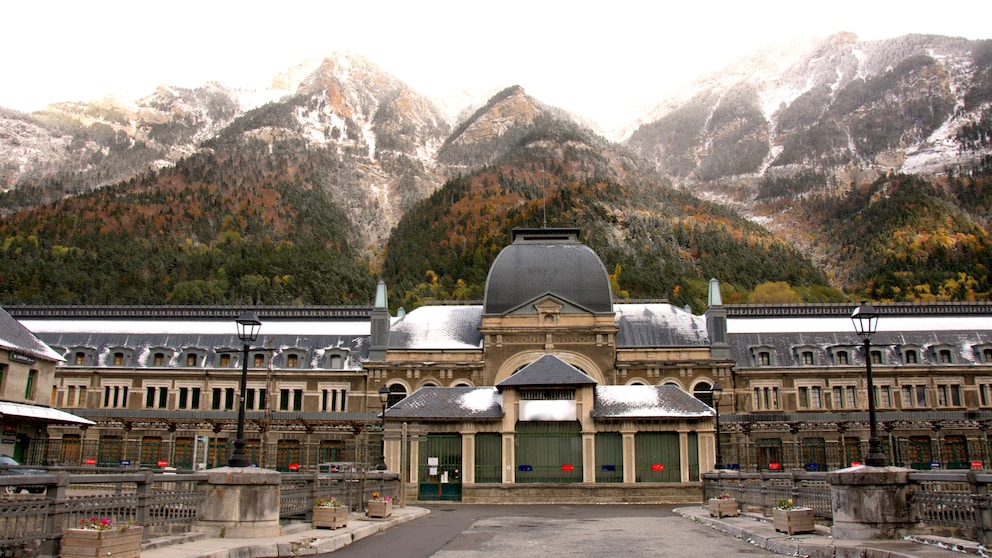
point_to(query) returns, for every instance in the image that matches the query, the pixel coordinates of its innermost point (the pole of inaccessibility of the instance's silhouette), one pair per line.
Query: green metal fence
(488, 458)
(609, 457)
(548, 452)
(657, 457)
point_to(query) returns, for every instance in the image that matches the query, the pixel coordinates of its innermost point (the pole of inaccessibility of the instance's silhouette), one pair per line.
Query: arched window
(397, 393)
(703, 391)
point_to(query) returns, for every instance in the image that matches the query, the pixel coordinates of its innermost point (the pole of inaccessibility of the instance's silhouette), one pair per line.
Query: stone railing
(948, 503)
(32, 524)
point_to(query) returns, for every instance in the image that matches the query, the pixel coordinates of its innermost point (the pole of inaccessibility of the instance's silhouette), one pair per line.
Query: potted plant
(101, 536)
(723, 505)
(790, 519)
(379, 506)
(329, 513)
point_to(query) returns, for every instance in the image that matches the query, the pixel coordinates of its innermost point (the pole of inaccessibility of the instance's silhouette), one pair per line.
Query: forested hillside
(655, 241)
(245, 226)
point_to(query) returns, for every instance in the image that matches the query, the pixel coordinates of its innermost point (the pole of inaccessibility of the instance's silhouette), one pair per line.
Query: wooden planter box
(797, 520)
(380, 509)
(723, 507)
(330, 518)
(85, 543)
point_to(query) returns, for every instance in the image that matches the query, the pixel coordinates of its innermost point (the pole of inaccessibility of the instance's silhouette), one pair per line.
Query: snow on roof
(844, 325)
(666, 401)
(659, 325)
(203, 327)
(480, 399)
(438, 327)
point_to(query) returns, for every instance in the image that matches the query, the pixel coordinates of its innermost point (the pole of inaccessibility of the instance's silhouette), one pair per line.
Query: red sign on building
(657, 466)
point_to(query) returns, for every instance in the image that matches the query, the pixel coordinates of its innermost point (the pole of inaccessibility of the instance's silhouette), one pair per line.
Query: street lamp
(383, 398)
(865, 319)
(717, 393)
(248, 326)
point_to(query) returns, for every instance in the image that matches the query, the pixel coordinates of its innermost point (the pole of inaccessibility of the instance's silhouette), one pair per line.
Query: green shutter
(488, 458)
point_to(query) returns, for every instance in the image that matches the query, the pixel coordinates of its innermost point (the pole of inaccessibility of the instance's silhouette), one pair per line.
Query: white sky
(604, 60)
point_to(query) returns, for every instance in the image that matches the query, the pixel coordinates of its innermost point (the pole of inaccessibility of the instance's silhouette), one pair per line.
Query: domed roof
(547, 261)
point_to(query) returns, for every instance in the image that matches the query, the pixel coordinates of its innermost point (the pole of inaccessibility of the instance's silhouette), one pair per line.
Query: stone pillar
(871, 503)
(241, 502)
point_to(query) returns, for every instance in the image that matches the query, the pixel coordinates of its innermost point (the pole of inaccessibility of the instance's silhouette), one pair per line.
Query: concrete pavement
(301, 540)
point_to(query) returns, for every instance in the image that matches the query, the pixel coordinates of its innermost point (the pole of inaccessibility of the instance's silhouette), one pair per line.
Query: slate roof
(15, 337)
(667, 401)
(547, 371)
(784, 336)
(450, 403)
(612, 402)
(528, 269)
(438, 327)
(659, 325)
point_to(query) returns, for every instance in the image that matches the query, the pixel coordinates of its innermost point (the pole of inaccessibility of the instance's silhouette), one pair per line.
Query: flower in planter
(104, 524)
(377, 498)
(326, 503)
(785, 504)
(725, 496)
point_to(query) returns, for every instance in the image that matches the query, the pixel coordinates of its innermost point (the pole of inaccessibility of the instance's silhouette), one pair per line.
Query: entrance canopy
(43, 414)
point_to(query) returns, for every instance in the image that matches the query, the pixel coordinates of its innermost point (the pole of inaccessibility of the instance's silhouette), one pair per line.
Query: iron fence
(948, 503)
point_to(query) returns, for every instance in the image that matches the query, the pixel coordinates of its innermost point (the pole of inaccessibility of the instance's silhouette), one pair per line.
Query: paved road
(549, 531)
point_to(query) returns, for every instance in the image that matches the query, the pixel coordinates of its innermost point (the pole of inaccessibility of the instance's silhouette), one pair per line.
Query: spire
(714, 298)
(380, 324)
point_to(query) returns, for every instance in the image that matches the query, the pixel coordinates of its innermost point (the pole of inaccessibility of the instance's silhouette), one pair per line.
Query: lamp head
(248, 326)
(383, 394)
(865, 319)
(717, 392)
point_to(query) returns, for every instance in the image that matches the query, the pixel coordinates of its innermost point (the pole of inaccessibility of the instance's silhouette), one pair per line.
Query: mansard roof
(828, 327)
(438, 327)
(659, 324)
(15, 337)
(210, 330)
(547, 262)
(547, 371)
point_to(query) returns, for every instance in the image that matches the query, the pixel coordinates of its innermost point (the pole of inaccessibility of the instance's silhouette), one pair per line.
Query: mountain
(916, 104)
(340, 172)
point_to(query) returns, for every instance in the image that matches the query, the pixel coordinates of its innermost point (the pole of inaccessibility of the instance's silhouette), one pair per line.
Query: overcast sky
(605, 60)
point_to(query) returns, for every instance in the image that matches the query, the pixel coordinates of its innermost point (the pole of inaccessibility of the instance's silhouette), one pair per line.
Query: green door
(440, 468)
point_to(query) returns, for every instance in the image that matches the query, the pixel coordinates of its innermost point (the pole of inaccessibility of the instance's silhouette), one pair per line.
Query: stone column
(241, 502)
(871, 503)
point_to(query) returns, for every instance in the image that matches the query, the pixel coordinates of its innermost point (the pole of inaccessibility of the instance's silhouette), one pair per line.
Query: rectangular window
(163, 398)
(284, 400)
(297, 399)
(149, 397)
(914, 396)
(118, 359)
(29, 387)
(229, 399)
(195, 403)
(883, 396)
(3, 374)
(250, 398)
(852, 397)
(183, 398)
(291, 361)
(945, 356)
(816, 397)
(808, 358)
(190, 360)
(876, 357)
(159, 359)
(764, 359)
(838, 397)
(911, 357)
(259, 361)
(842, 358)
(984, 394)
(80, 358)
(215, 399)
(225, 360)
(804, 398)
(949, 395)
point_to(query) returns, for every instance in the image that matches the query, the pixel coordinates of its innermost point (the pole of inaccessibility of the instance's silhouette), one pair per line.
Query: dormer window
(876, 357)
(842, 357)
(944, 356)
(763, 355)
(911, 357)
(807, 358)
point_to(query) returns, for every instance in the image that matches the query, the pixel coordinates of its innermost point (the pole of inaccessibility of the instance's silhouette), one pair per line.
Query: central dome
(547, 262)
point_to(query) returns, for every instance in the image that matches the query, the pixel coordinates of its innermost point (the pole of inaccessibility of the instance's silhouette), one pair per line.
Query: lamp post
(383, 399)
(717, 393)
(865, 319)
(248, 326)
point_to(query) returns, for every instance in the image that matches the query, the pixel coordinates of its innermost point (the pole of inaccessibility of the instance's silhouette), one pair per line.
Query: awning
(47, 414)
